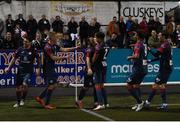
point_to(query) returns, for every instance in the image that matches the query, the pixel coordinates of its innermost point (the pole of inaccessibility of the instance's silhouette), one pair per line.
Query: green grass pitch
(119, 110)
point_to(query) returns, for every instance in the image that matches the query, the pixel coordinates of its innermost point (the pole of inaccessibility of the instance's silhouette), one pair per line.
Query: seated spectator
(8, 42)
(67, 41)
(37, 42)
(60, 39)
(153, 41)
(113, 41)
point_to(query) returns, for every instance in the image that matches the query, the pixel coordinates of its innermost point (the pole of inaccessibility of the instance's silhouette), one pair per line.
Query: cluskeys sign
(119, 68)
(140, 9)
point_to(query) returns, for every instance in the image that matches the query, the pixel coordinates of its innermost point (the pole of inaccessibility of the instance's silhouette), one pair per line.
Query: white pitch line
(97, 115)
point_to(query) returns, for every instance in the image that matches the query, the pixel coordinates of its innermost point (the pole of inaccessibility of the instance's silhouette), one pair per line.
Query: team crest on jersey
(30, 53)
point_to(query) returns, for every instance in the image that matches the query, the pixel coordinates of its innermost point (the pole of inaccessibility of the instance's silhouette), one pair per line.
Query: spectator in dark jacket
(151, 24)
(31, 27)
(22, 22)
(43, 24)
(158, 25)
(8, 42)
(122, 30)
(113, 42)
(10, 24)
(57, 25)
(144, 28)
(92, 29)
(97, 24)
(72, 26)
(83, 31)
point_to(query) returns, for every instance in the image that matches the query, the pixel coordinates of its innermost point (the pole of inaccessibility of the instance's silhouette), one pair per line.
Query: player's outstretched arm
(69, 49)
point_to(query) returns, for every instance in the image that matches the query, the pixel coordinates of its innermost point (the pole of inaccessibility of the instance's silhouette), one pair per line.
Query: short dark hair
(100, 35)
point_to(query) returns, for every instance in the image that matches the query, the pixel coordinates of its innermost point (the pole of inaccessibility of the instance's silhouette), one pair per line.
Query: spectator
(72, 26)
(17, 35)
(8, 42)
(158, 25)
(57, 25)
(144, 28)
(177, 36)
(83, 31)
(113, 27)
(21, 21)
(60, 40)
(37, 42)
(129, 23)
(153, 41)
(10, 24)
(113, 42)
(67, 41)
(32, 27)
(135, 25)
(1, 27)
(97, 25)
(43, 24)
(92, 29)
(122, 30)
(151, 24)
(170, 28)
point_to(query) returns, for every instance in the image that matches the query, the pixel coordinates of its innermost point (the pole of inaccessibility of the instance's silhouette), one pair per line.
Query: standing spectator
(31, 27)
(97, 24)
(153, 41)
(170, 28)
(1, 27)
(151, 24)
(57, 25)
(129, 23)
(158, 25)
(83, 31)
(92, 29)
(122, 30)
(113, 27)
(8, 42)
(144, 28)
(43, 24)
(10, 24)
(72, 26)
(21, 21)
(177, 36)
